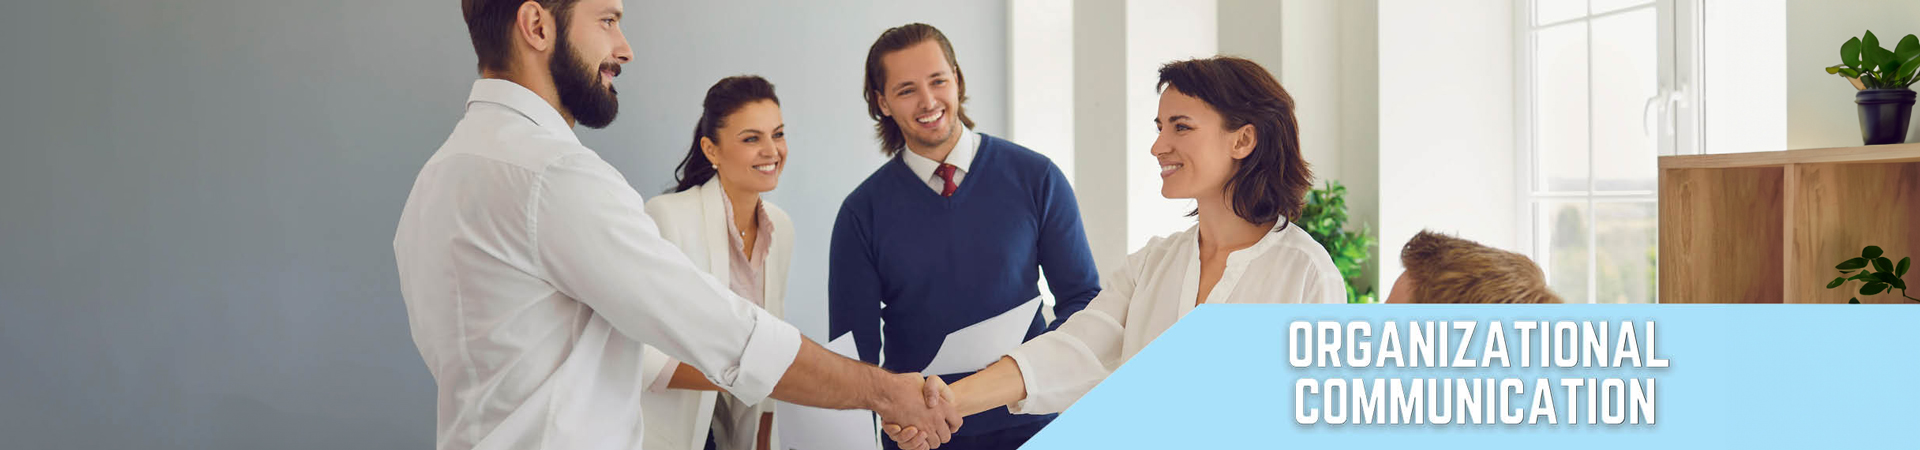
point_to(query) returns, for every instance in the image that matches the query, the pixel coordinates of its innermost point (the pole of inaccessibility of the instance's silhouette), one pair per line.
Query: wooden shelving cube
(1768, 227)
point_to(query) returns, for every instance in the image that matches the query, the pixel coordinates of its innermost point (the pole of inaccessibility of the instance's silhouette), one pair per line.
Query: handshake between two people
(918, 412)
(913, 426)
(913, 436)
(999, 384)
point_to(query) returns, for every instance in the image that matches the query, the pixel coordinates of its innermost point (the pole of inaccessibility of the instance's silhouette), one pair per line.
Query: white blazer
(696, 221)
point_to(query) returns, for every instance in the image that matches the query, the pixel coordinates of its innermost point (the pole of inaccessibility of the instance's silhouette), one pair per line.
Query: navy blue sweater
(929, 265)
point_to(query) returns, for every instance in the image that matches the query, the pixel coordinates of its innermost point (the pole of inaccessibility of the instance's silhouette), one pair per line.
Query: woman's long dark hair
(723, 99)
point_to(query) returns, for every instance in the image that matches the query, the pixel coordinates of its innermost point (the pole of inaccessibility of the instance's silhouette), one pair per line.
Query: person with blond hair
(1447, 269)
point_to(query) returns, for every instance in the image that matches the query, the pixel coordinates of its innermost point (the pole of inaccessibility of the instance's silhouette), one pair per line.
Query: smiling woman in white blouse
(1229, 141)
(716, 217)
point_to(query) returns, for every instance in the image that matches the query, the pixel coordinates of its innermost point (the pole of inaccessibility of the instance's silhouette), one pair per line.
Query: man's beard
(579, 86)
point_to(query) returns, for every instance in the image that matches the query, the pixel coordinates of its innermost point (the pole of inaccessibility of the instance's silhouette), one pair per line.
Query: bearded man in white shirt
(532, 274)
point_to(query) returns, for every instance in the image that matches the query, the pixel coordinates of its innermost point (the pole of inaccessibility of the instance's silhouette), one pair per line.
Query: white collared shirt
(961, 157)
(532, 275)
(1158, 286)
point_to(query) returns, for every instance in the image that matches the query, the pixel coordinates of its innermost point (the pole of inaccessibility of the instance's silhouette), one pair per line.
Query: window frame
(1674, 109)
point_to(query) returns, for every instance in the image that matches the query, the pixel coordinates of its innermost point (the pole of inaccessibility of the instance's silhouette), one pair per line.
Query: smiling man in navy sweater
(951, 232)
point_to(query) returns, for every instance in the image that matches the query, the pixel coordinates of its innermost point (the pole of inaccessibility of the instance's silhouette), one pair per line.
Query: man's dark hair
(490, 25)
(893, 40)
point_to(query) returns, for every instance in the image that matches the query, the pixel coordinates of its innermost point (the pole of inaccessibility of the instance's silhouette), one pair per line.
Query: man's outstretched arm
(595, 244)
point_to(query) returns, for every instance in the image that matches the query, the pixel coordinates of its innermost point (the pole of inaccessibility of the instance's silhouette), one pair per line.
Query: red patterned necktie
(946, 173)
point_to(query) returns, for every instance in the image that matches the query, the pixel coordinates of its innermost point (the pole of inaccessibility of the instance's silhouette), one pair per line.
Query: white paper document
(810, 428)
(976, 346)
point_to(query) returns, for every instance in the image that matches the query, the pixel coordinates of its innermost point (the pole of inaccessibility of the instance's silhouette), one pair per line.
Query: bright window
(1595, 106)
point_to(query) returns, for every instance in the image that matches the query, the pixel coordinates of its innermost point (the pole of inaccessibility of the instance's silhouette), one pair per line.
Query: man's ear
(1244, 140)
(535, 25)
(881, 99)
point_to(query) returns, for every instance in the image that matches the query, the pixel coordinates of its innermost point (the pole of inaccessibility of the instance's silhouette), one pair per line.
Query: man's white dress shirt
(1158, 285)
(532, 275)
(961, 158)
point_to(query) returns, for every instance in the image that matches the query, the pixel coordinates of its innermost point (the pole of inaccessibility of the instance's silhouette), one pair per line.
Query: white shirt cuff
(1027, 377)
(771, 349)
(664, 378)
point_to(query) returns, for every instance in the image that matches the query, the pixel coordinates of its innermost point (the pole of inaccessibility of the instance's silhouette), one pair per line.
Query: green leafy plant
(1325, 218)
(1880, 274)
(1871, 66)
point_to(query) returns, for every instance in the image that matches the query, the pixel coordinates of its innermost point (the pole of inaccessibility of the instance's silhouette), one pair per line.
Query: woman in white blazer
(1229, 141)
(716, 216)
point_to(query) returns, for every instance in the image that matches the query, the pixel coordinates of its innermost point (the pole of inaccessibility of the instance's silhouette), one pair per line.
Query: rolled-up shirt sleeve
(656, 369)
(1060, 366)
(593, 239)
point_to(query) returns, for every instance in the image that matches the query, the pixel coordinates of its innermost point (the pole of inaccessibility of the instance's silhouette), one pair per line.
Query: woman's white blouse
(1156, 287)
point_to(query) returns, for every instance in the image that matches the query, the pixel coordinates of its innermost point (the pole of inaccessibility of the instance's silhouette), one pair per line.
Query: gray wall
(197, 199)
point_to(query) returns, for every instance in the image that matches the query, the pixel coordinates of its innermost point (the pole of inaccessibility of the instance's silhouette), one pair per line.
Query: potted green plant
(1883, 77)
(1325, 218)
(1880, 274)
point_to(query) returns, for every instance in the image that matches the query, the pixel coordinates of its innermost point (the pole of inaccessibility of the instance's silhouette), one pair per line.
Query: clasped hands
(913, 426)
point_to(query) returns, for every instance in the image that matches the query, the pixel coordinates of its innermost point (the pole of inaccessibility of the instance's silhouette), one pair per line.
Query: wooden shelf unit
(1768, 227)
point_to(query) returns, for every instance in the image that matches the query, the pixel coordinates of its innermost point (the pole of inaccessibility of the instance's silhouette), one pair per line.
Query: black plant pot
(1884, 115)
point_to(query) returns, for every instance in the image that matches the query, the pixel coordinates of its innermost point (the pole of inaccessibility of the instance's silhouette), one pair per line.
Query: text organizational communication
(1392, 361)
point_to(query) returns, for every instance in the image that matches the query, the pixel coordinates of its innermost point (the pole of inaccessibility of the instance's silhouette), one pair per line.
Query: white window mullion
(1613, 211)
(1593, 230)
(1523, 132)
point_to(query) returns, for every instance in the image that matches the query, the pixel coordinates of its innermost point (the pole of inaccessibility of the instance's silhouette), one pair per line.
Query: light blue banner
(1738, 376)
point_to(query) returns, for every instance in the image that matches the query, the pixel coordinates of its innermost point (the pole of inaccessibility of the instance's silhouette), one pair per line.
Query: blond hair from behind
(1447, 269)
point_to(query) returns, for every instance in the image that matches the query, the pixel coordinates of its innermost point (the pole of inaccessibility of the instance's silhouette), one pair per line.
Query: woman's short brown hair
(1447, 269)
(1271, 183)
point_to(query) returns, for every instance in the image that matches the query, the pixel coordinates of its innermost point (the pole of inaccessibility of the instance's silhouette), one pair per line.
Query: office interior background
(197, 199)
